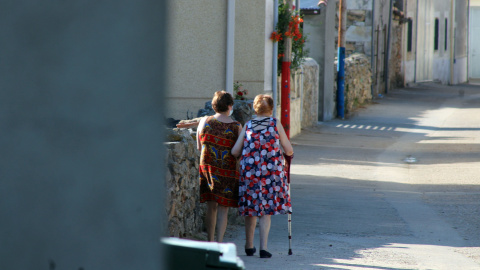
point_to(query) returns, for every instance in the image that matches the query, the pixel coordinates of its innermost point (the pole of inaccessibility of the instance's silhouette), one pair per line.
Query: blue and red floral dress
(263, 186)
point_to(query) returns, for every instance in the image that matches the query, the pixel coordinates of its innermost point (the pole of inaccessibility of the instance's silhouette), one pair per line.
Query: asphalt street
(396, 185)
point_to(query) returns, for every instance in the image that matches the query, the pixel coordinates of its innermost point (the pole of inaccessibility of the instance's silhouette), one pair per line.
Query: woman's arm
(187, 124)
(199, 131)
(284, 141)
(237, 148)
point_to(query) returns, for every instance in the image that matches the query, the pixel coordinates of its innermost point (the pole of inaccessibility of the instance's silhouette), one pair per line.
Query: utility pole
(230, 46)
(285, 85)
(342, 25)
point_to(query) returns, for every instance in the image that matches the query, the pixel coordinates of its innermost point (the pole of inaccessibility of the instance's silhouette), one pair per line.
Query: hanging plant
(289, 26)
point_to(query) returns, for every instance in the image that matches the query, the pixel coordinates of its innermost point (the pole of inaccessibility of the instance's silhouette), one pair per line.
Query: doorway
(474, 46)
(425, 41)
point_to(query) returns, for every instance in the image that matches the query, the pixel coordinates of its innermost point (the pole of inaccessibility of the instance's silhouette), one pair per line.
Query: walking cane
(288, 161)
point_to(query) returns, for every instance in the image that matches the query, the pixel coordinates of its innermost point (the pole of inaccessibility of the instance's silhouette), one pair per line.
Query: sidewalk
(396, 186)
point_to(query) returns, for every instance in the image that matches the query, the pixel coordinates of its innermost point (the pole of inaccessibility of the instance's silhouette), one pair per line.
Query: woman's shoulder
(234, 123)
(207, 118)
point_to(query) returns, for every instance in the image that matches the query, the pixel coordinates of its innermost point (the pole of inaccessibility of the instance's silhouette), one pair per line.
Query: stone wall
(184, 212)
(358, 81)
(310, 92)
(395, 63)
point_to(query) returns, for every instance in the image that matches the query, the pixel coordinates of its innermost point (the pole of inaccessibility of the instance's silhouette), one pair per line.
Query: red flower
(240, 93)
(276, 37)
(273, 35)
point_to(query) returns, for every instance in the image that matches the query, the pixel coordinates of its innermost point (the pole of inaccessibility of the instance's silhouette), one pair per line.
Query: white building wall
(460, 71)
(474, 42)
(253, 26)
(441, 57)
(196, 55)
(461, 40)
(268, 68)
(197, 52)
(409, 56)
(441, 64)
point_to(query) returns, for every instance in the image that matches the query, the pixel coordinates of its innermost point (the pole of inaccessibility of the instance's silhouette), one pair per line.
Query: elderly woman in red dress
(216, 136)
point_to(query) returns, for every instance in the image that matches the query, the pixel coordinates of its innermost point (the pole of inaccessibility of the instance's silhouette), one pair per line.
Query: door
(474, 46)
(425, 45)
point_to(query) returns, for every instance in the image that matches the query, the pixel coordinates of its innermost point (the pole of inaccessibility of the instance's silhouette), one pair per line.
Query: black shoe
(265, 254)
(250, 251)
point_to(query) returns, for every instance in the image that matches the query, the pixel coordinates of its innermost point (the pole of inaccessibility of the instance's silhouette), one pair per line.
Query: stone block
(168, 176)
(172, 210)
(242, 111)
(356, 15)
(350, 46)
(189, 223)
(172, 136)
(358, 33)
(177, 149)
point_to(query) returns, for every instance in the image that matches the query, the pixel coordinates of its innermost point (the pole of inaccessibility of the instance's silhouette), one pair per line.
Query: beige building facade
(197, 50)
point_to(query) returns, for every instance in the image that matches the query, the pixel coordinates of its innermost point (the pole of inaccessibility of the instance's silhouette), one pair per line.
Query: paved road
(358, 203)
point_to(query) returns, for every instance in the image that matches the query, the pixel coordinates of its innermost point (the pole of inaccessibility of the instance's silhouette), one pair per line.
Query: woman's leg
(264, 224)
(222, 220)
(211, 219)
(250, 223)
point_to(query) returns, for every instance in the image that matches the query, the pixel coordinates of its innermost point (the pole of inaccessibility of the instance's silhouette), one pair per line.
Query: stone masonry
(358, 81)
(310, 93)
(182, 203)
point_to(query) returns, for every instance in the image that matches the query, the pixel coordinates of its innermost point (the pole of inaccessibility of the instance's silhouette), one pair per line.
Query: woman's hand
(201, 124)
(237, 148)
(188, 123)
(284, 141)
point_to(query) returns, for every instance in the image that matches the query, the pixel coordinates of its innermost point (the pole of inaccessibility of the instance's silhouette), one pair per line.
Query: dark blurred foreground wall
(81, 134)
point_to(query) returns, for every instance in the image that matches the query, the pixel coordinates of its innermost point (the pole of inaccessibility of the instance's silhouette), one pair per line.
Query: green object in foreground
(189, 254)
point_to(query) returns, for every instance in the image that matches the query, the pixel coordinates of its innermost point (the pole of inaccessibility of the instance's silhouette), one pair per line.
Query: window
(409, 35)
(437, 31)
(446, 33)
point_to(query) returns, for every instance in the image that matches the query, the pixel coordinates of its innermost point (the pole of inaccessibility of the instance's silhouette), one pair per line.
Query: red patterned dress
(218, 167)
(263, 185)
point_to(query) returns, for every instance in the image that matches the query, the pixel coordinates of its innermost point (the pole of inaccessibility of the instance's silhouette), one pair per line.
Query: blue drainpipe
(341, 83)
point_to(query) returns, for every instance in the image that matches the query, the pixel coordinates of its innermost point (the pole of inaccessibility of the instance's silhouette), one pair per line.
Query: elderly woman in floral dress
(263, 187)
